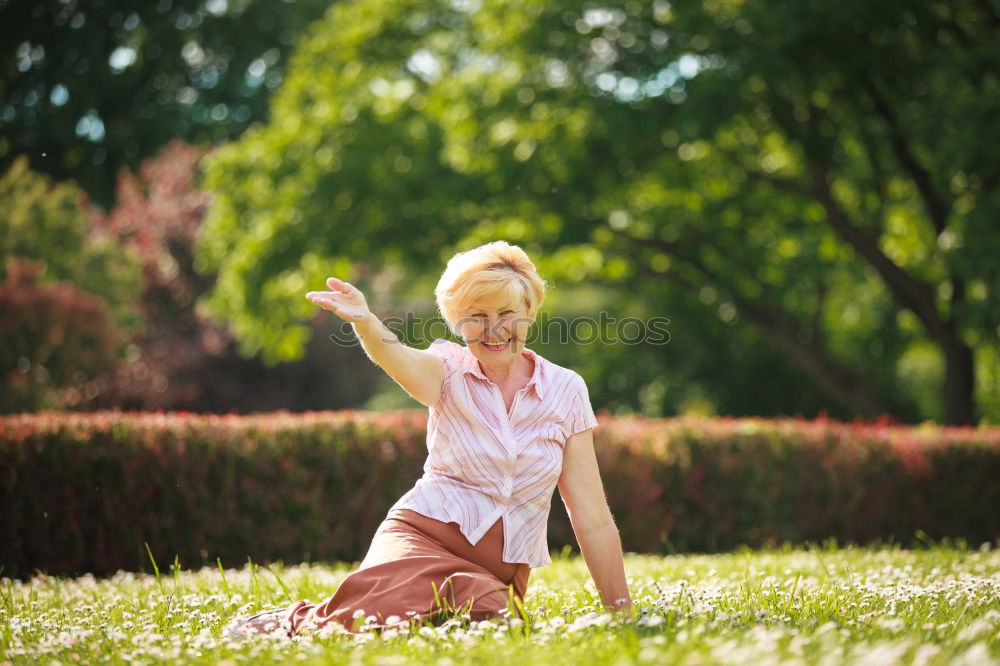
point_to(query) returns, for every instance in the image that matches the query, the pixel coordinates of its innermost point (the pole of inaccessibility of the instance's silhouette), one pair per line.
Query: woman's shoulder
(570, 404)
(555, 373)
(452, 353)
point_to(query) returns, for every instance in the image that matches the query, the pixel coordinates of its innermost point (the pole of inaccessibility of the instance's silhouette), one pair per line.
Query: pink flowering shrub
(85, 491)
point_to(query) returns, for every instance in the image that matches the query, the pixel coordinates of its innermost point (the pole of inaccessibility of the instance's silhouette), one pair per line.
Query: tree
(179, 359)
(838, 199)
(90, 88)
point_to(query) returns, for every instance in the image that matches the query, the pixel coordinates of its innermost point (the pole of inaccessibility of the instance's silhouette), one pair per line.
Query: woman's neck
(502, 374)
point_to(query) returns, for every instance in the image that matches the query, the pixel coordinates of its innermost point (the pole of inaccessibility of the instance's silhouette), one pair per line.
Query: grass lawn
(814, 606)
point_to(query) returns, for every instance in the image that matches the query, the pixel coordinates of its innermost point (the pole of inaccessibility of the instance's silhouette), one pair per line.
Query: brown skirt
(411, 556)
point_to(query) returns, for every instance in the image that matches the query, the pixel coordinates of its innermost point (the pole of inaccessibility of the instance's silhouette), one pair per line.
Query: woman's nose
(494, 324)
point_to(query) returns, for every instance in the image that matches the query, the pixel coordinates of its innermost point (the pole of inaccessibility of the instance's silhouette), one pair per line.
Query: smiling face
(495, 331)
(491, 294)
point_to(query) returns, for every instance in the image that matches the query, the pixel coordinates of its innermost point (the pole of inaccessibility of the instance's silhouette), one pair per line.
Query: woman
(505, 427)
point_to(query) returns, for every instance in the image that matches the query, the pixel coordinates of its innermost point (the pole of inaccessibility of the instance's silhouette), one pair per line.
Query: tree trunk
(918, 297)
(959, 381)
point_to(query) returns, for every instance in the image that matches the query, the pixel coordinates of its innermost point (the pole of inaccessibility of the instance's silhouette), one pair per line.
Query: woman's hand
(419, 372)
(344, 300)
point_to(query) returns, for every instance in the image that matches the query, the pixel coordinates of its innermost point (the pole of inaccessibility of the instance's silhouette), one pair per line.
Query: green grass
(814, 606)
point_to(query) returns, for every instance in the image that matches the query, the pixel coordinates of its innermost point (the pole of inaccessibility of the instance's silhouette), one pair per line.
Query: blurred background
(807, 193)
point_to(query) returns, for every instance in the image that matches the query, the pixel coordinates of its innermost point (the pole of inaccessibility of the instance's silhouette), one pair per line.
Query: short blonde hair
(488, 274)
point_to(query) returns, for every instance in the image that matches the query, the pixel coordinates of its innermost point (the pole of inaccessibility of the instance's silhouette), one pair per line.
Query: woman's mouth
(497, 346)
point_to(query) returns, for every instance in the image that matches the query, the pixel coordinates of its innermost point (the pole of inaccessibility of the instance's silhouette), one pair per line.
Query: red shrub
(58, 342)
(84, 492)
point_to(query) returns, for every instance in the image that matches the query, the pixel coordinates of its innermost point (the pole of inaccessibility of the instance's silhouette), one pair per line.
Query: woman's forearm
(593, 524)
(381, 344)
(602, 551)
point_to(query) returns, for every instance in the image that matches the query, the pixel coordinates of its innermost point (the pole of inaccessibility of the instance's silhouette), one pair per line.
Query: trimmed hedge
(85, 492)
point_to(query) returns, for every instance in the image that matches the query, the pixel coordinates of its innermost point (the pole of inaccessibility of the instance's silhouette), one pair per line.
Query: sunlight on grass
(820, 605)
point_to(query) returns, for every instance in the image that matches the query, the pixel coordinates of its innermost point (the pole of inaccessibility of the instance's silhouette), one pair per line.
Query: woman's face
(495, 332)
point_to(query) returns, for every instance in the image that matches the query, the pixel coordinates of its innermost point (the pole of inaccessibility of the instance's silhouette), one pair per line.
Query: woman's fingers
(339, 285)
(334, 302)
(320, 297)
(335, 293)
(344, 299)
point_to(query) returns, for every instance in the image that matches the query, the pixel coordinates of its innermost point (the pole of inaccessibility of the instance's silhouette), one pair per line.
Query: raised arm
(581, 489)
(419, 372)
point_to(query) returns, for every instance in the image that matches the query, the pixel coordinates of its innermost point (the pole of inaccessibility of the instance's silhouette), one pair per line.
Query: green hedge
(85, 492)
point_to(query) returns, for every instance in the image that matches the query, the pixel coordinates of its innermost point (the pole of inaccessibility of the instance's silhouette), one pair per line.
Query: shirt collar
(470, 366)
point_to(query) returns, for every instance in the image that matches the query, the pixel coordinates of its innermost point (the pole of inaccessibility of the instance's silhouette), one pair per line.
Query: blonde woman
(505, 427)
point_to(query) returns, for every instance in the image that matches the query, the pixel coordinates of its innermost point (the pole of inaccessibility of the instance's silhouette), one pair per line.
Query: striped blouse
(484, 463)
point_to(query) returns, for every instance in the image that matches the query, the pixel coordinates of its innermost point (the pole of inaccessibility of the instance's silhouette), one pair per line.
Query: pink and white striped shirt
(484, 463)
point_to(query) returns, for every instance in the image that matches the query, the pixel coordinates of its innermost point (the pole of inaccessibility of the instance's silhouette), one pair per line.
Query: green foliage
(87, 492)
(708, 366)
(91, 88)
(737, 153)
(40, 220)
(48, 222)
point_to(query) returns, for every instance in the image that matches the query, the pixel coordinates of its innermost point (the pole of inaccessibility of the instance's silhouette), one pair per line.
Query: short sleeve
(449, 353)
(582, 417)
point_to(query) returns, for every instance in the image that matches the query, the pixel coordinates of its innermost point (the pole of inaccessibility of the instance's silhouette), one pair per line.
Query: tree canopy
(819, 172)
(87, 88)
